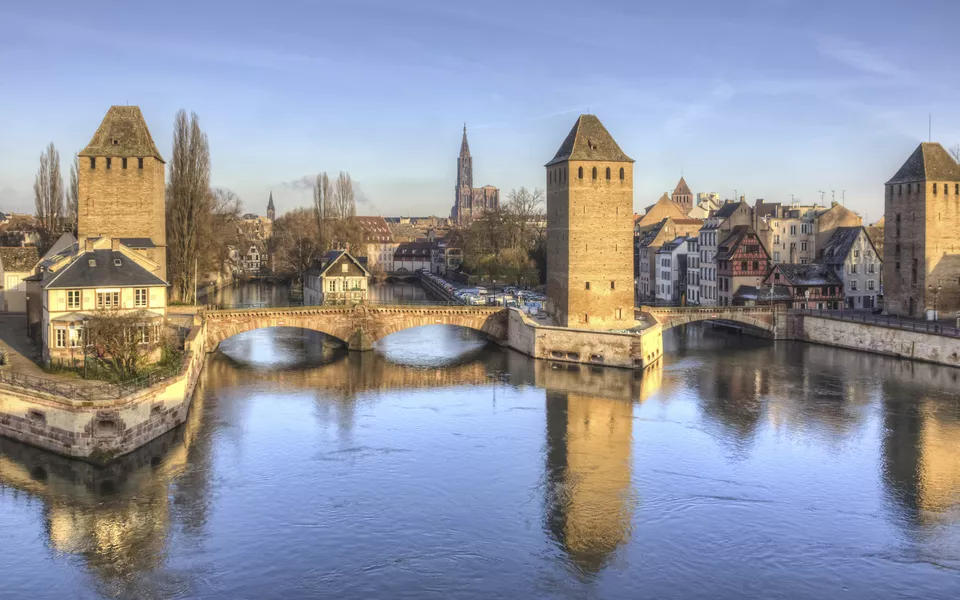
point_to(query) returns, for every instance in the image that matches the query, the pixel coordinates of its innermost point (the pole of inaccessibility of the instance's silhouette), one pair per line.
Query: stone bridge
(759, 317)
(357, 326)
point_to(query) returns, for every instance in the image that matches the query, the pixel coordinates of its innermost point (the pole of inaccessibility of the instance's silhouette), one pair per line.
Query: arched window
(621, 173)
(579, 172)
(608, 173)
(594, 172)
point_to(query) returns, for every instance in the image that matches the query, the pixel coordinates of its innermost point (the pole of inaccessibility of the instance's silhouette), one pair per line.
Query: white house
(856, 262)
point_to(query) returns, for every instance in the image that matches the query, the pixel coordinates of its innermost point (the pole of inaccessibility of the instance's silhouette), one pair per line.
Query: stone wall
(100, 430)
(625, 350)
(879, 339)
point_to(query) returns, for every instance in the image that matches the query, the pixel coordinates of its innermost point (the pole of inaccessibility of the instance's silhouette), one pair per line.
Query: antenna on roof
(930, 127)
(843, 197)
(822, 194)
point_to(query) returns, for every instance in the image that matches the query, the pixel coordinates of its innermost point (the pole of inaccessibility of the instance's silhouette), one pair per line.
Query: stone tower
(121, 181)
(590, 230)
(921, 262)
(683, 196)
(271, 211)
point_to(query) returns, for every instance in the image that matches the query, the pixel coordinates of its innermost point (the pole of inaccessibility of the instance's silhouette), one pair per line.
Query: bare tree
(48, 196)
(73, 194)
(344, 200)
(214, 250)
(189, 204)
(955, 152)
(323, 209)
(295, 243)
(123, 339)
(525, 210)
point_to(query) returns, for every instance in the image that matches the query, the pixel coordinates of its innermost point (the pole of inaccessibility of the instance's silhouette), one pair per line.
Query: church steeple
(464, 146)
(271, 211)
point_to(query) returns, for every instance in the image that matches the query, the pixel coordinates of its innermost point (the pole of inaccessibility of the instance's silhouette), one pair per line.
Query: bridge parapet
(761, 317)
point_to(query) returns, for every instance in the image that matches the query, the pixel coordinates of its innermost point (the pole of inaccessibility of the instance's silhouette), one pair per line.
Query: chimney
(115, 244)
(88, 244)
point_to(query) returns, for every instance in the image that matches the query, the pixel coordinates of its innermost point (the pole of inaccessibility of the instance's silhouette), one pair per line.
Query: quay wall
(869, 337)
(101, 430)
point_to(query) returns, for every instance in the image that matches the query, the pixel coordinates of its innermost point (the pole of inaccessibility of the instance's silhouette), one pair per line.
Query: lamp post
(936, 297)
(86, 338)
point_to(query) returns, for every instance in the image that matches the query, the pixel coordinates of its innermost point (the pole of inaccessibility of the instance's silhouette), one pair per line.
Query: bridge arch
(359, 326)
(758, 317)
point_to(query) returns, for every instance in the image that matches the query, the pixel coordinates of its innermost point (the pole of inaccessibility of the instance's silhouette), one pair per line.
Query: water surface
(440, 467)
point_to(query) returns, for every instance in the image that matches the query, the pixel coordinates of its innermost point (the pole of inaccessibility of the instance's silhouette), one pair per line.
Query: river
(439, 466)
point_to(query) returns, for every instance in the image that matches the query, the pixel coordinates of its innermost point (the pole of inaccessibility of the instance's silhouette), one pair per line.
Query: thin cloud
(858, 57)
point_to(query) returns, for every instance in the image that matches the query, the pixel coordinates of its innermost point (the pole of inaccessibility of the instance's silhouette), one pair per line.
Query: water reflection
(741, 467)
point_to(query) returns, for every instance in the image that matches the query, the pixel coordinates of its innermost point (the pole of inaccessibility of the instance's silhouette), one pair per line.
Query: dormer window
(91, 262)
(116, 142)
(117, 262)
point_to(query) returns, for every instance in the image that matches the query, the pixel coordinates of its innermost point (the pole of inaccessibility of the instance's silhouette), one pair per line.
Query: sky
(773, 99)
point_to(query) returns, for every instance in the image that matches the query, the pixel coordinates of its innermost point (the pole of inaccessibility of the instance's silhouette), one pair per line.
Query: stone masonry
(590, 230)
(121, 181)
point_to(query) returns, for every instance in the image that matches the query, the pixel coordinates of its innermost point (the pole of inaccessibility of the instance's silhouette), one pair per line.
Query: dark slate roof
(332, 256)
(270, 202)
(727, 209)
(414, 250)
(80, 274)
(767, 209)
(141, 242)
(589, 140)
(682, 188)
(838, 246)
(68, 251)
(374, 229)
(733, 241)
(19, 258)
(810, 274)
(929, 162)
(123, 132)
(647, 237)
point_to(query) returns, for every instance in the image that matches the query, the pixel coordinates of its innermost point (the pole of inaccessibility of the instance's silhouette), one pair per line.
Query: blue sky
(767, 97)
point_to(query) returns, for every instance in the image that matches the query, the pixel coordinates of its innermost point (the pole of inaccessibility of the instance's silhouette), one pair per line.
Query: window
(123, 163)
(139, 163)
(853, 285)
(587, 285)
(140, 297)
(344, 268)
(776, 239)
(793, 230)
(586, 318)
(803, 261)
(776, 257)
(594, 173)
(871, 285)
(756, 265)
(803, 246)
(916, 263)
(871, 267)
(61, 337)
(613, 285)
(108, 162)
(75, 336)
(579, 172)
(934, 189)
(108, 299)
(956, 189)
(621, 176)
(93, 162)
(608, 173)
(73, 299)
(332, 286)
(853, 269)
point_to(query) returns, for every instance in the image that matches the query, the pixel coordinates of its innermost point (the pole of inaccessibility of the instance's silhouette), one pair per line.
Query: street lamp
(936, 297)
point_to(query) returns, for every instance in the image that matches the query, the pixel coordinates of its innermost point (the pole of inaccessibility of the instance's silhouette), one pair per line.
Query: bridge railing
(933, 327)
(378, 302)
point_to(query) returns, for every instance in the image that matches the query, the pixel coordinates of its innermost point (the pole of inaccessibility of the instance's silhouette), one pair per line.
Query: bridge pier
(360, 341)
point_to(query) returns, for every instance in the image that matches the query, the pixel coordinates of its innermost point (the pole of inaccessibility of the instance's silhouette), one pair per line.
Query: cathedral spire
(271, 211)
(464, 146)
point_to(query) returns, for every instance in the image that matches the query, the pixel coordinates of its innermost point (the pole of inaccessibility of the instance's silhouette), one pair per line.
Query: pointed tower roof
(270, 202)
(464, 146)
(123, 132)
(929, 162)
(682, 188)
(661, 209)
(589, 140)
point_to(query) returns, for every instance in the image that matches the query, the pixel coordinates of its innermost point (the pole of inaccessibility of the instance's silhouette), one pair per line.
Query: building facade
(337, 278)
(813, 286)
(671, 271)
(652, 239)
(693, 270)
(741, 261)
(922, 244)
(715, 229)
(410, 257)
(470, 202)
(16, 264)
(378, 242)
(795, 234)
(857, 264)
(590, 230)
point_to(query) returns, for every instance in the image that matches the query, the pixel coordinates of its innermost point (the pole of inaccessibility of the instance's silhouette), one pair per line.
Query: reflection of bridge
(759, 317)
(358, 326)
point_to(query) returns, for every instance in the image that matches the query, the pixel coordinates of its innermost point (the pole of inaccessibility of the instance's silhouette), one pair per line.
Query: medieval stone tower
(121, 181)
(921, 246)
(683, 196)
(590, 230)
